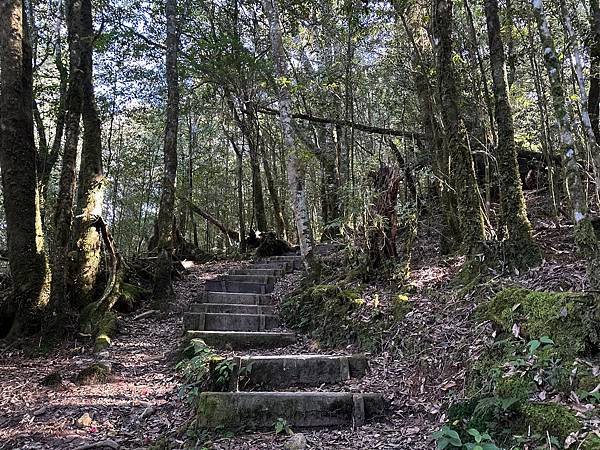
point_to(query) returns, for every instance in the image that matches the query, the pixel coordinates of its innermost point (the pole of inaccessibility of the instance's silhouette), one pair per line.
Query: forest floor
(421, 367)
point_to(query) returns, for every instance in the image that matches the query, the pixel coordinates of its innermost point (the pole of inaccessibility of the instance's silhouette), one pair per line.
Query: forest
(287, 224)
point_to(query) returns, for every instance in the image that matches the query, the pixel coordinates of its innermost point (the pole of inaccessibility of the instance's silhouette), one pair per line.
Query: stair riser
(243, 341)
(237, 298)
(260, 279)
(271, 266)
(275, 273)
(229, 322)
(231, 308)
(248, 410)
(270, 373)
(240, 287)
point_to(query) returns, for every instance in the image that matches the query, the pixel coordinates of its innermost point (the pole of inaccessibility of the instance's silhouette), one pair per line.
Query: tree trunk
(63, 215)
(26, 254)
(91, 177)
(523, 253)
(275, 200)
(585, 236)
(594, 92)
(295, 171)
(163, 288)
(463, 172)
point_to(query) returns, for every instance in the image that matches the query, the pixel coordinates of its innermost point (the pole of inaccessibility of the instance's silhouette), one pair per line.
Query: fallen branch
(349, 123)
(231, 234)
(100, 444)
(145, 314)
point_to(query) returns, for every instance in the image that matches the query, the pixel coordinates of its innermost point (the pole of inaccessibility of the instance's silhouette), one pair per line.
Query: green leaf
(478, 447)
(546, 340)
(442, 443)
(473, 432)
(534, 345)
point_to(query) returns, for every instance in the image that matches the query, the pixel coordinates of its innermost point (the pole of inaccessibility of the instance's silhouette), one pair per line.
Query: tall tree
(63, 215)
(163, 288)
(295, 171)
(522, 250)
(26, 254)
(91, 176)
(464, 182)
(594, 92)
(585, 236)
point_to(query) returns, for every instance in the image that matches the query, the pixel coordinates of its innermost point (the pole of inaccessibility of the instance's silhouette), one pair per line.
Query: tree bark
(295, 171)
(275, 200)
(163, 288)
(91, 176)
(523, 253)
(594, 92)
(585, 236)
(63, 215)
(464, 181)
(26, 254)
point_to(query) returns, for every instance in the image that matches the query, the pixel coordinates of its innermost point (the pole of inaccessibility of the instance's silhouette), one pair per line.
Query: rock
(40, 411)
(96, 373)
(53, 379)
(85, 421)
(296, 442)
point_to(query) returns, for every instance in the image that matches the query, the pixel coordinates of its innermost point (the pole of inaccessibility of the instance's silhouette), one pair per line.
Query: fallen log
(231, 234)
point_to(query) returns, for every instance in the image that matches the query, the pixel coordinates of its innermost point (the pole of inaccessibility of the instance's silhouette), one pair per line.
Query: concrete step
(229, 322)
(282, 265)
(264, 279)
(234, 308)
(275, 372)
(294, 261)
(241, 298)
(238, 340)
(255, 410)
(238, 286)
(259, 272)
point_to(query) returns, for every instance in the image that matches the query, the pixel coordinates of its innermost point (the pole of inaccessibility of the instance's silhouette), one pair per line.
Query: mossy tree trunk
(594, 90)
(163, 288)
(522, 251)
(464, 181)
(295, 169)
(63, 216)
(585, 236)
(26, 254)
(422, 63)
(91, 177)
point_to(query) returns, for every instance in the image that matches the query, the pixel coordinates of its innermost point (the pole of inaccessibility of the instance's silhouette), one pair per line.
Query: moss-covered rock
(130, 297)
(571, 320)
(97, 373)
(556, 420)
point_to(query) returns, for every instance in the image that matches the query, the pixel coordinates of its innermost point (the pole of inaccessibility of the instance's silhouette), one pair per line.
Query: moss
(591, 442)
(107, 328)
(131, 296)
(95, 374)
(332, 315)
(53, 379)
(571, 320)
(588, 382)
(557, 420)
(519, 388)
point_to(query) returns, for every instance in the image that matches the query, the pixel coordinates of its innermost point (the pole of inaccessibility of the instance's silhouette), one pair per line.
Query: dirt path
(138, 404)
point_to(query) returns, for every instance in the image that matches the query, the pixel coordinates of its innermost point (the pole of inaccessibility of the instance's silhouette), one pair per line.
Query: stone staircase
(236, 313)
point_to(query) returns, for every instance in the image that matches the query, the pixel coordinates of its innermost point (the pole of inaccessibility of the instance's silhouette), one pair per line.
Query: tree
(585, 236)
(26, 253)
(163, 289)
(295, 172)
(523, 253)
(464, 181)
(91, 177)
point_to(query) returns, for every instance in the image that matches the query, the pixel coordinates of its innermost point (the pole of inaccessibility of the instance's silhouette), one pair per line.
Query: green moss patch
(571, 320)
(550, 418)
(95, 374)
(53, 379)
(335, 316)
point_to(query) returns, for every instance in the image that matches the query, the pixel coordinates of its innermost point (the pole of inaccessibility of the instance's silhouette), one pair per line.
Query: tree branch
(349, 123)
